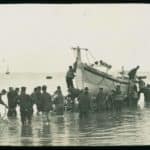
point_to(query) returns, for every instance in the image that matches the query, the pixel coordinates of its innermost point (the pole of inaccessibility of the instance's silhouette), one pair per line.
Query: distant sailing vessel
(87, 75)
(4, 66)
(7, 71)
(49, 77)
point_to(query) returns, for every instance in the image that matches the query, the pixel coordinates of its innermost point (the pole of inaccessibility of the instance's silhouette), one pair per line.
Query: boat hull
(93, 79)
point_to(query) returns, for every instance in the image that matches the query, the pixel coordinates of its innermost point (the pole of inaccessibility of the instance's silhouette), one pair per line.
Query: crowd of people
(76, 101)
(112, 100)
(43, 100)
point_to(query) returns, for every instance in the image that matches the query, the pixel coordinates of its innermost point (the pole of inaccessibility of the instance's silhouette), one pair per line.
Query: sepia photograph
(74, 74)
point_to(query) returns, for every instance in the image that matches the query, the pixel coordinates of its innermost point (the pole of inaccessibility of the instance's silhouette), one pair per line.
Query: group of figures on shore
(44, 101)
(76, 100)
(113, 100)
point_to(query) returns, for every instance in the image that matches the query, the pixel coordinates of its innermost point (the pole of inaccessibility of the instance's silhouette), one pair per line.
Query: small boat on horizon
(7, 71)
(49, 77)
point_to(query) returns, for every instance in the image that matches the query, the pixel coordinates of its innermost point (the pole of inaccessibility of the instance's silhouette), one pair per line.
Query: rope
(76, 83)
(82, 79)
(86, 54)
(87, 57)
(74, 55)
(92, 55)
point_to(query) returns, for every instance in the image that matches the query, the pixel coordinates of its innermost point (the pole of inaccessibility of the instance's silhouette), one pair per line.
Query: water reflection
(46, 130)
(45, 135)
(129, 126)
(26, 135)
(26, 131)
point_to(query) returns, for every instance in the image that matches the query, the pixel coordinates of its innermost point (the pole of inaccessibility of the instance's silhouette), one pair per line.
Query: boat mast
(78, 55)
(79, 79)
(7, 70)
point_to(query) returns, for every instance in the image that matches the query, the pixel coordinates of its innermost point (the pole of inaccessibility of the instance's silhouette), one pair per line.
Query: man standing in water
(59, 101)
(26, 107)
(38, 101)
(46, 102)
(132, 73)
(34, 96)
(100, 100)
(84, 103)
(118, 98)
(69, 77)
(16, 94)
(12, 102)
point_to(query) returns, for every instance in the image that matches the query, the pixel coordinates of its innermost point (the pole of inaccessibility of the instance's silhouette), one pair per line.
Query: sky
(38, 37)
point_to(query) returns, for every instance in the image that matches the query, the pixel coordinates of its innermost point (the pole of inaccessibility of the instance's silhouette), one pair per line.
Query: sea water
(131, 126)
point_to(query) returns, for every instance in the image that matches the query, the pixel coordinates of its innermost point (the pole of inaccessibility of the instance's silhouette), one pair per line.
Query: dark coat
(100, 98)
(132, 73)
(38, 100)
(12, 99)
(26, 103)
(84, 102)
(46, 102)
(146, 92)
(34, 97)
(70, 74)
(59, 99)
(59, 102)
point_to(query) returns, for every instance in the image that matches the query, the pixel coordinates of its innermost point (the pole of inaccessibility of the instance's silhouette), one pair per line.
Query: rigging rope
(92, 55)
(87, 57)
(76, 84)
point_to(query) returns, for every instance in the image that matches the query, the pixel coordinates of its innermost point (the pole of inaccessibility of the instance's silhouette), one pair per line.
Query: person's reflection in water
(13, 127)
(46, 130)
(45, 135)
(107, 120)
(60, 122)
(26, 131)
(84, 123)
(26, 136)
(84, 103)
(103, 119)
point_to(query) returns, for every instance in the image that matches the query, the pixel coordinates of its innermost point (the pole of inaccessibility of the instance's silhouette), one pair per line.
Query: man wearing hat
(84, 102)
(59, 101)
(26, 107)
(12, 101)
(100, 99)
(46, 102)
(132, 73)
(69, 77)
(38, 100)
